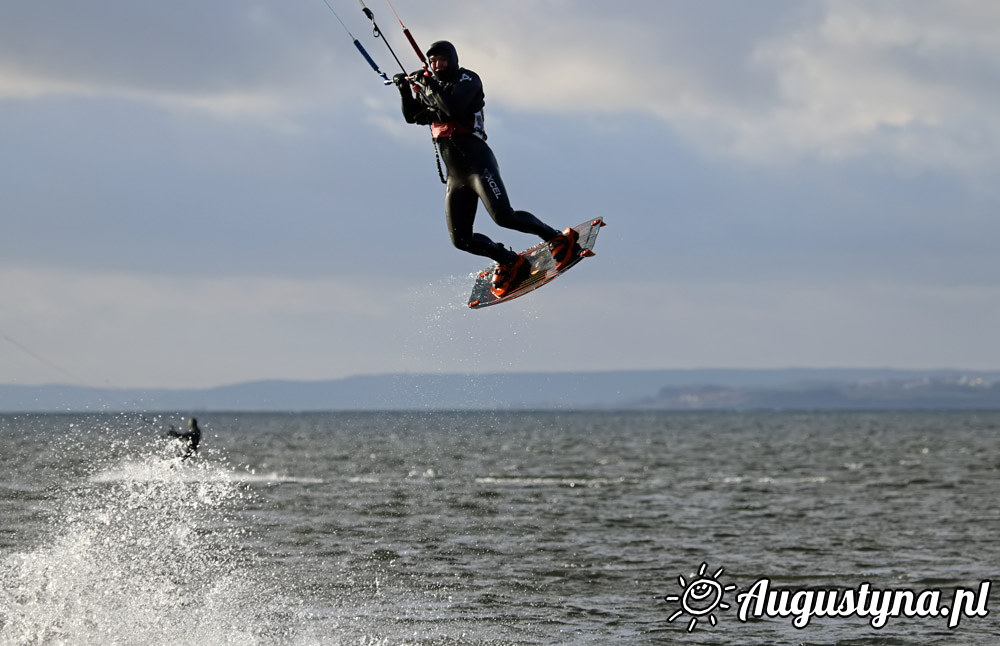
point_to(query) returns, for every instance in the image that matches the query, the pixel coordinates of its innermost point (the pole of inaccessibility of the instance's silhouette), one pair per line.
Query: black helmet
(446, 49)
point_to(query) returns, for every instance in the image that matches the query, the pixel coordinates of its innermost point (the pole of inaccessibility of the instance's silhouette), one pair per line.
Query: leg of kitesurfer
(460, 211)
(461, 202)
(489, 185)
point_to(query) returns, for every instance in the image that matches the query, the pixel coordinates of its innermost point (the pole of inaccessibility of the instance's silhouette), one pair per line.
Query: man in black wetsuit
(451, 99)
(190, 439)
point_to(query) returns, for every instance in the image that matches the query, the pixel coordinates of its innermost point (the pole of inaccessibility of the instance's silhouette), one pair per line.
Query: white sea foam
(148, 552)
(174, 469)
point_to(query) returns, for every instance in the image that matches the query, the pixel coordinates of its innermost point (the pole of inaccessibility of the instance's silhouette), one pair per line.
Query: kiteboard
(543, 268)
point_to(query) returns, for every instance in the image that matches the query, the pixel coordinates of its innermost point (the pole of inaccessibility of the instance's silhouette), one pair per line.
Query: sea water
(498, 528)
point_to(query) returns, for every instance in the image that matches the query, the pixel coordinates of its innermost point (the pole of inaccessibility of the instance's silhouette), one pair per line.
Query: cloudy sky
(201, 193)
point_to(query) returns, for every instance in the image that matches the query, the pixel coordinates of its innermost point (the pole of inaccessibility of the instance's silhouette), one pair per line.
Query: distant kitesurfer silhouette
(189, 439)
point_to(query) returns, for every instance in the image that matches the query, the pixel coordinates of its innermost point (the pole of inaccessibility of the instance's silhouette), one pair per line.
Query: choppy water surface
(466, 528)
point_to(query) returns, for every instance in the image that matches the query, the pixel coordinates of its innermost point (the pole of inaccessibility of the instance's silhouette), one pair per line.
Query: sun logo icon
(701, 597)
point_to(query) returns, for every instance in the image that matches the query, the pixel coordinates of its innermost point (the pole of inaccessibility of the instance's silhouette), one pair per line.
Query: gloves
(428, 80)
(402, 81)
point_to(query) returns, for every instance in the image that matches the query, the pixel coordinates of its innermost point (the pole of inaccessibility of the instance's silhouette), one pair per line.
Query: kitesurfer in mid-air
(451, 99)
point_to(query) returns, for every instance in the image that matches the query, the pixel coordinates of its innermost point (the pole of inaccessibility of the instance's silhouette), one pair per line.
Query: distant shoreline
(704, 389)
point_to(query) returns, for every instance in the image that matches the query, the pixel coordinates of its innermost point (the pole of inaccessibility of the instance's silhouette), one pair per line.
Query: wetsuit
(453, 106)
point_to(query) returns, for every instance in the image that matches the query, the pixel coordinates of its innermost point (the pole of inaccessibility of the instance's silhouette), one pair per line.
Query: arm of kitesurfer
(414, 111)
